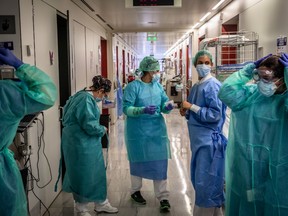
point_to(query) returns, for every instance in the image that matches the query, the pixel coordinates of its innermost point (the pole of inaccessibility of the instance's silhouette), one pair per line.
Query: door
(63, 54)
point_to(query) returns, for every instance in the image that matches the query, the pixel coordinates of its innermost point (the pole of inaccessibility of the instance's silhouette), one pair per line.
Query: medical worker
(85, 175)
(34, 92)
(257, 150)
(206, 115)
(146, 136)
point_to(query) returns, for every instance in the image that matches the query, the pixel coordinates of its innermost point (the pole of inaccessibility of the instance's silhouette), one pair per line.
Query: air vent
(100, 18)
(87, 5)
(110, 27)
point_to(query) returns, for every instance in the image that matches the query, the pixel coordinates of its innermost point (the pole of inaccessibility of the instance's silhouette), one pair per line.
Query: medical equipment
(232, 51)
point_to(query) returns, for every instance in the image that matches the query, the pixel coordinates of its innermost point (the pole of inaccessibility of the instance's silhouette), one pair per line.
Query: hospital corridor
(179, 185)
(143, 107)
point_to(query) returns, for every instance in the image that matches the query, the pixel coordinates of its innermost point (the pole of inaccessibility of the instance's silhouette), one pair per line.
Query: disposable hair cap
(100, 82)
(149, 63)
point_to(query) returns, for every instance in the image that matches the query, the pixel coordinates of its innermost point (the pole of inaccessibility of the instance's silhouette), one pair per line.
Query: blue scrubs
(207, 143)
(146, 135)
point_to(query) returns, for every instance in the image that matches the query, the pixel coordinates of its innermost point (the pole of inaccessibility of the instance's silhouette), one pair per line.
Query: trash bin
(105, 120)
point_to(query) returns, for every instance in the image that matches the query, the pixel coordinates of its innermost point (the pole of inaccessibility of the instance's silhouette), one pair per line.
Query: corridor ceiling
(133, 23)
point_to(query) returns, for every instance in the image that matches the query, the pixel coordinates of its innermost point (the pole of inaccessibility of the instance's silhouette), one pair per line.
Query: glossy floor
(179, 184)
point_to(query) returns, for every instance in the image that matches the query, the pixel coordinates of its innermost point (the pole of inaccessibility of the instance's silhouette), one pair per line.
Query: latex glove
(150, 110)
(8, 58)
(168, 106)
(106, 101)
(284, 60)
(258, 62)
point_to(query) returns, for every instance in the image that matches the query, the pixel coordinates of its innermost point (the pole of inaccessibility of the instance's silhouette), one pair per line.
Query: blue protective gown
(257, 152)
(85, 174)
(34, 93)
(207, 143)
(146, 135)
(119, 99)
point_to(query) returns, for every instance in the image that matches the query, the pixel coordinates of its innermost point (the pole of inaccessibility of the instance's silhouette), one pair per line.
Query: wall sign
(7, 25)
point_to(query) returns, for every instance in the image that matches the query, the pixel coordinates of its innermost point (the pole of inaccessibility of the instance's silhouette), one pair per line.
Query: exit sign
(153, 2)
(151, 36)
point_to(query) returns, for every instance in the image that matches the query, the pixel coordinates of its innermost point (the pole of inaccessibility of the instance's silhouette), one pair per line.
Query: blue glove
(8, 58)
(284, 60)
(106, 101)
(258, 62)
(150, 110)
(168, 106)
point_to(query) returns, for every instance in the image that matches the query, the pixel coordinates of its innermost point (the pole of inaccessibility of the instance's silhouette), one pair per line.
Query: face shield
(265, 75)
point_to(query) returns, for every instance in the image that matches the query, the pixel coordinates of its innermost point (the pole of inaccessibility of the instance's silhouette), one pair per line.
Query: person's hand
(168, 106)
(258, 62)
(186, 105)
(8, 58)
(182, 111)
(150, 110)
(284, 60)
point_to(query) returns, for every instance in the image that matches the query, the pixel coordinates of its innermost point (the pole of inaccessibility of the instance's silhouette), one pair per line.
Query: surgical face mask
(266, 88)
(156, 77)
(98, 99)
(203, 69)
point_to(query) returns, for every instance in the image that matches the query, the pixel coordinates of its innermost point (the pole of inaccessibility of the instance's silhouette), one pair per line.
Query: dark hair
(100, 82)
(273, 63)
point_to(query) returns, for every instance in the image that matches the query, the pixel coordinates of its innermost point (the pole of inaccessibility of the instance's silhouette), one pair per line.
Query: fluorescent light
(218, 4)
(204, 17)
(195, 25)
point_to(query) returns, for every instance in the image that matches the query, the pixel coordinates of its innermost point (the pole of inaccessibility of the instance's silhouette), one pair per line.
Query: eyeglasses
(265, 75)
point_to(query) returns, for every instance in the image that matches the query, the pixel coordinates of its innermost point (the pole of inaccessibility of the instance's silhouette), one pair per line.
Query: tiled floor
(179, 184)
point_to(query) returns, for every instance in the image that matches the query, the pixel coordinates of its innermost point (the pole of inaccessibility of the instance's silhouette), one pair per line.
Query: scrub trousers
(160, 187)
(201, 211)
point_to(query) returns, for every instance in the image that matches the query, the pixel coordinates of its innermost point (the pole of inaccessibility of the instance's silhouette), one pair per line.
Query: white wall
(269, 20)
(79, 53)
(265, 17)
(45, 41)
(42, 39)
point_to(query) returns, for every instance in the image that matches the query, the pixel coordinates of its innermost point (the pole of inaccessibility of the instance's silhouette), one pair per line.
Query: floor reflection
(179, 184)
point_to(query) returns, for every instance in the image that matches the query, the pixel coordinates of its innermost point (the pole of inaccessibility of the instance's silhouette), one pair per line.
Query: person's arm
(212, 110)
(129, 98)
(36, 91)
(165, 108)
(234, 91)
(85, 113)
(40, 86)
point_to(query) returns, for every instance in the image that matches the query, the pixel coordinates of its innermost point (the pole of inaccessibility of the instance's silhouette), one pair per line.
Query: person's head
(270, 76)
(203, 62)
(101, 86)
(150, 68)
